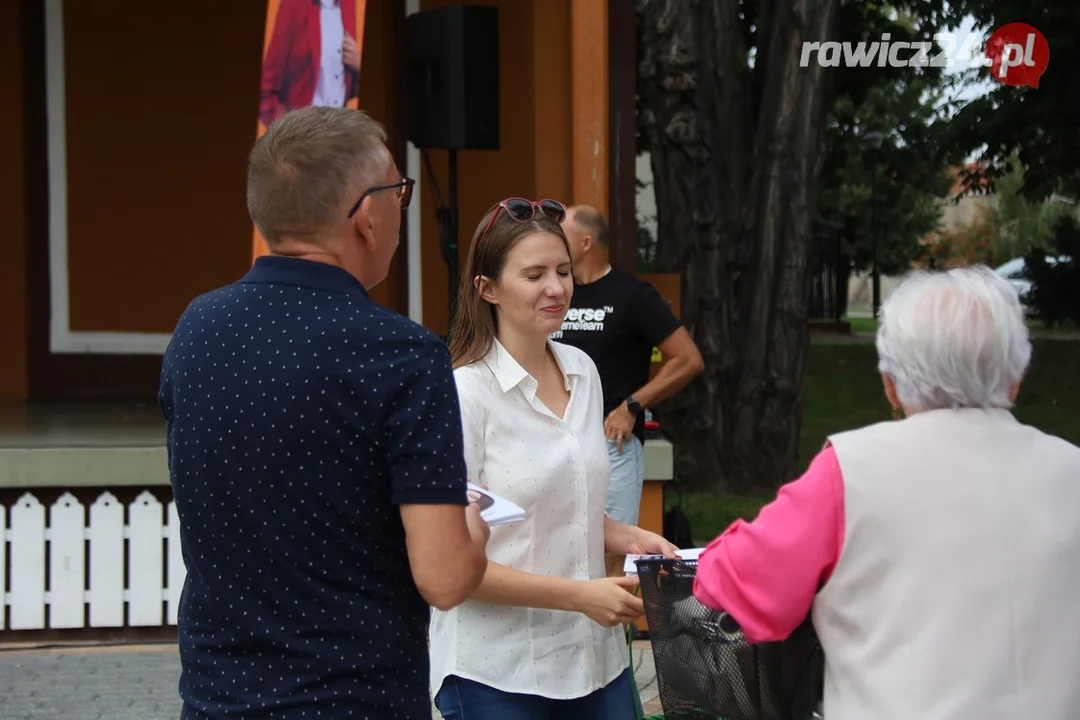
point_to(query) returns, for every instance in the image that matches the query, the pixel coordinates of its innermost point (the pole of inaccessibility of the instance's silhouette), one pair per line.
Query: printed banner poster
(311, 56)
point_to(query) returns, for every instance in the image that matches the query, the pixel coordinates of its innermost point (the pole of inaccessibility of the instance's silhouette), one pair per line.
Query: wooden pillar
(622, 135)
(589, 93)
(552, 120)
(13, 211)
(589, 101)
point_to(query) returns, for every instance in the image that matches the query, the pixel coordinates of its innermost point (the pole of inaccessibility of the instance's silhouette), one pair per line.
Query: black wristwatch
(633, 406)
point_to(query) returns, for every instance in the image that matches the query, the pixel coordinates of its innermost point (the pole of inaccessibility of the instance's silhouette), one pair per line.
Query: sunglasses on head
(523, 210)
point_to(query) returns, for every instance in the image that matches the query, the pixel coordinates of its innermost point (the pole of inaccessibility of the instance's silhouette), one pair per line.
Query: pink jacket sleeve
(765, 573)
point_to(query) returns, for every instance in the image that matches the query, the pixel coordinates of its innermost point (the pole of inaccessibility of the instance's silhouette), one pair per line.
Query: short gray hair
(305, 169)
(953, 339)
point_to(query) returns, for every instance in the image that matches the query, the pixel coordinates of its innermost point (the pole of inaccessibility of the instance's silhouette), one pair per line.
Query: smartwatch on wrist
(633, 406)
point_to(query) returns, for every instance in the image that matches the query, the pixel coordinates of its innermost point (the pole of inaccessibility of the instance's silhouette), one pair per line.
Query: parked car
(1015, 271)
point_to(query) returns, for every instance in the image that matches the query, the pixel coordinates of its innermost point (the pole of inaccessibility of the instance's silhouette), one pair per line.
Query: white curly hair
(954, 339)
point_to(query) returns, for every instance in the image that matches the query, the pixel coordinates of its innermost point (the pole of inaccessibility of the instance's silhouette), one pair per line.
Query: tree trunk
(843, 277)
(736, 153)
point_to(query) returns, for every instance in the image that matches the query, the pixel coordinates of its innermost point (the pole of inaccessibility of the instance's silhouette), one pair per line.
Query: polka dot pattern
(299, 415)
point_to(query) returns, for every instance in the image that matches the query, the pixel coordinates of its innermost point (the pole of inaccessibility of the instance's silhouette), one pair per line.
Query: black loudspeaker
(453, 78)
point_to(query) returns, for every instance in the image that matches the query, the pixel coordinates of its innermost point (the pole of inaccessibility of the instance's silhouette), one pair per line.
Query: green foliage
(646, 246)
(843, 392)
(1030, 138)
(892, 192)
(1027, 128)
(1055, 292)
(1036, 125)
(903, 103)
(968, 244)
(645, 241)
(1023, 225)
(924, 134)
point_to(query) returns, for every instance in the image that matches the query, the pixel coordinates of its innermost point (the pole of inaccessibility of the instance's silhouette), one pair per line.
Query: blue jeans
(627, 477)
(461, 699)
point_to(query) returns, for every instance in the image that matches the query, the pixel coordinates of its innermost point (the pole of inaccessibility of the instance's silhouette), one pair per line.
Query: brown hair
(475, 323)
(305, 169)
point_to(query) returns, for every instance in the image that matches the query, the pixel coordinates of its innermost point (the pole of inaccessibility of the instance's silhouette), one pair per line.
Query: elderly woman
(939, 554)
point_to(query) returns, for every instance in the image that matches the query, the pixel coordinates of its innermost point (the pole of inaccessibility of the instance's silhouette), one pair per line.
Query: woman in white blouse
(542, 637)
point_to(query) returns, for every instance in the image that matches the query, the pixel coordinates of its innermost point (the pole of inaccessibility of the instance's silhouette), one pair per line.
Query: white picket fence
(57, 594)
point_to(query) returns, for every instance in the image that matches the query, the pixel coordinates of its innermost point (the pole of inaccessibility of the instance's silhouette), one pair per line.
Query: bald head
(590, 221)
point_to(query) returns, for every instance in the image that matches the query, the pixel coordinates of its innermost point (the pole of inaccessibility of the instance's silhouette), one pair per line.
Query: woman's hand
(623, 539)
(478, 527)
(643, 542)
(609, 601)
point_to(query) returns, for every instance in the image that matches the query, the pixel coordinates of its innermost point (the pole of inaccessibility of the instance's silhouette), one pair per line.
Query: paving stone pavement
(137, 683)
(90, 684)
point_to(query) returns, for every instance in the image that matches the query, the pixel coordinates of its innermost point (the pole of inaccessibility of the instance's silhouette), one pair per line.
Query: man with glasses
(315, 449)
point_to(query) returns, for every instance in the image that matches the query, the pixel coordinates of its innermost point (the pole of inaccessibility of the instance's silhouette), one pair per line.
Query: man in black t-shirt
(617, 320)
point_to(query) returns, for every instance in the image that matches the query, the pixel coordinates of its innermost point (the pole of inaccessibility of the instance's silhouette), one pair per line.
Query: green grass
(843, 392)
(862, 324)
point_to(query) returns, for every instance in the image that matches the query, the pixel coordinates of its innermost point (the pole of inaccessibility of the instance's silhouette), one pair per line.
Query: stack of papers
(630, 566)
(494, 509)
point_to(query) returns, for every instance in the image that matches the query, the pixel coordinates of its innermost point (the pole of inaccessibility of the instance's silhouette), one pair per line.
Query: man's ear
(586, 243)
(364, 225)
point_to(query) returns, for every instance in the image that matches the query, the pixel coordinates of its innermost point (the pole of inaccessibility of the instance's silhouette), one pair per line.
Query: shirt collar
(510, 374)
(276, 269)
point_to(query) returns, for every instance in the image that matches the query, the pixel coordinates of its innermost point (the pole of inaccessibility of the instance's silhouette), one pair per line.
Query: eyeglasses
(524, 210)
(404, 187)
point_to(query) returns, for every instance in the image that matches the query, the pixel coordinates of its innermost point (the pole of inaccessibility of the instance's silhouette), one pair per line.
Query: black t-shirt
(617, 320)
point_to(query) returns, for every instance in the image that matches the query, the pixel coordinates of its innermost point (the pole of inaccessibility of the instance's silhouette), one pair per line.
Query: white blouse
(557, 470)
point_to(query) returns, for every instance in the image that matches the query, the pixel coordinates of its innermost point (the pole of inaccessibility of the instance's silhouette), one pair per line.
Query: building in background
(125, 161)
(125, 147)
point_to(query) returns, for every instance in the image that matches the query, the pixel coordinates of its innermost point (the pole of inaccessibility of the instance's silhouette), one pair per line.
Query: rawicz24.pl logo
(1015, 54)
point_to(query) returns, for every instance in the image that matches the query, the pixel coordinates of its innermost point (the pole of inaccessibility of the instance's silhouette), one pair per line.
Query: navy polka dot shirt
(299, 415)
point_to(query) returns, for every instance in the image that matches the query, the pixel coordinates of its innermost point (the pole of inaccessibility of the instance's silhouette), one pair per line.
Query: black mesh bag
(705, 669)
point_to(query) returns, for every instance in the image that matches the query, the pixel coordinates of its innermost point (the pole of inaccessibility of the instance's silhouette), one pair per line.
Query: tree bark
(736, 153)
